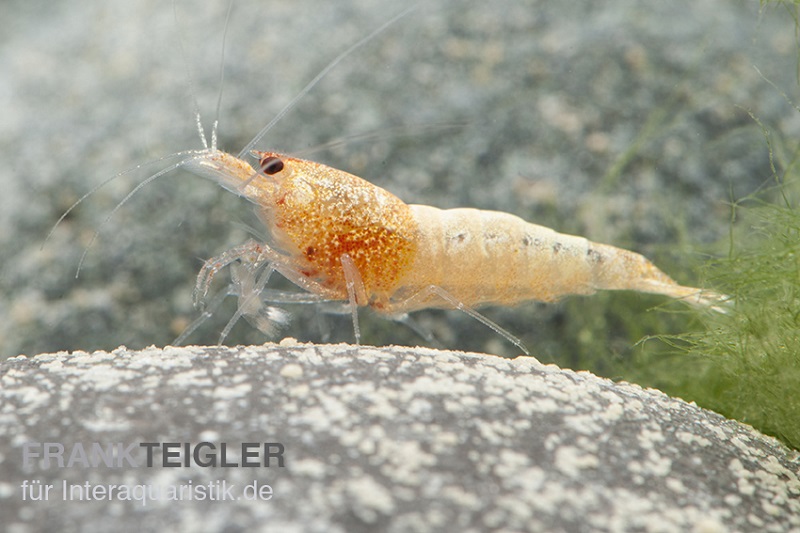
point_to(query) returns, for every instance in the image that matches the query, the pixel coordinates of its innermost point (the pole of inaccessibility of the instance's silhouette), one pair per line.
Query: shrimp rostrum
(342, 239)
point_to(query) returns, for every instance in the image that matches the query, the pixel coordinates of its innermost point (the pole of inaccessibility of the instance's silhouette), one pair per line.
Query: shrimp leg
(256, 263)
(250, 252)
(249, 283)
(249, 279)
(355, 290)
(255, 253)
(412, 303)
(208, 311)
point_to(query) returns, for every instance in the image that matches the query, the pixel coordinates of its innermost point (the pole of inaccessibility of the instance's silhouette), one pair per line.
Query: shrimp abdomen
(488, 257)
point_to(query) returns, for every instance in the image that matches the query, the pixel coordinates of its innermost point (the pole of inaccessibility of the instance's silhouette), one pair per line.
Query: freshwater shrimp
(341, 238)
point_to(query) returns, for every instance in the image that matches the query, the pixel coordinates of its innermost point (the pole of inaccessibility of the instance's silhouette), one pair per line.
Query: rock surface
(389, 439)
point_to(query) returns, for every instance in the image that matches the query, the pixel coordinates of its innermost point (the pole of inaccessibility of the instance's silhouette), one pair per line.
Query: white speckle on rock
(191, 378)
(532, 481)
(311, 467)
(299, 391)
(586, 424)
(494, 519)
(571, 460)
(54, 365)
(292, 371)
(540, 405)
(634, 406)
(746, 488)
(510, 462)
(709, 525)
(150, 381)
(106, 420)
(742, 477)
(675, 485)
(6, 490)
(613, 412)
(650, 437)
(316, 418)
(657, 465)
(756, 521)
(381, 406)
(461, 405)
(426, 385)
(690, 438)
(83, 358)
(719, 432)
(493, 432)
(228, 393)
(444, 440)
(209, 435)
(419, 407)
(770, 508)
(461, 497)
(369, 498)
(163, 359)
(519, 511)
(28, 396)
(772, 465)
(403, 461)
(745, 447)
(733, 500)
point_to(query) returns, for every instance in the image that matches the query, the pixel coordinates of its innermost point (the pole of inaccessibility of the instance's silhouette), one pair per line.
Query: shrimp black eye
(271, 165)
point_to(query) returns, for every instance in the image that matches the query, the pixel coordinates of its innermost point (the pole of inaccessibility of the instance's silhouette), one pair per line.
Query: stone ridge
(388, 439)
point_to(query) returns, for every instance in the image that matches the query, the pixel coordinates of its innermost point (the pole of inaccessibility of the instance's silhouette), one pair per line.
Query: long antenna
(109, 180)
(318, 77)
(140, 186)
(190, 79)
(215, 126)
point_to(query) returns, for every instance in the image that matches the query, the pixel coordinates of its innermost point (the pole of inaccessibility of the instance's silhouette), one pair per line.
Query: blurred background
(630, 123)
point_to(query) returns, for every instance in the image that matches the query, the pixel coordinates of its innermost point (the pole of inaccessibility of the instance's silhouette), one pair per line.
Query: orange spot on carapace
(325, 212)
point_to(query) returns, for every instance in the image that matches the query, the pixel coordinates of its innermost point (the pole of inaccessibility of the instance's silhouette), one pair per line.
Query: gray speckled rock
(392, 439)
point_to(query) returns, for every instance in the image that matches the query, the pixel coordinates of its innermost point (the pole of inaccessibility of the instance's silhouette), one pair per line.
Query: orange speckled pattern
(319, 213)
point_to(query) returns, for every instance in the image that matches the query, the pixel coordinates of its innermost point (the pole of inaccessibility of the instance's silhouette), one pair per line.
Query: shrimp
(341, 238)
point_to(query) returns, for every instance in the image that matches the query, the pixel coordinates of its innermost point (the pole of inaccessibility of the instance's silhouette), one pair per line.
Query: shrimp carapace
(317, 214)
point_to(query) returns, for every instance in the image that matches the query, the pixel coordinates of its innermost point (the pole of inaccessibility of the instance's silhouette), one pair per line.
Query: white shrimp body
(342, 238)
(492, 258)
